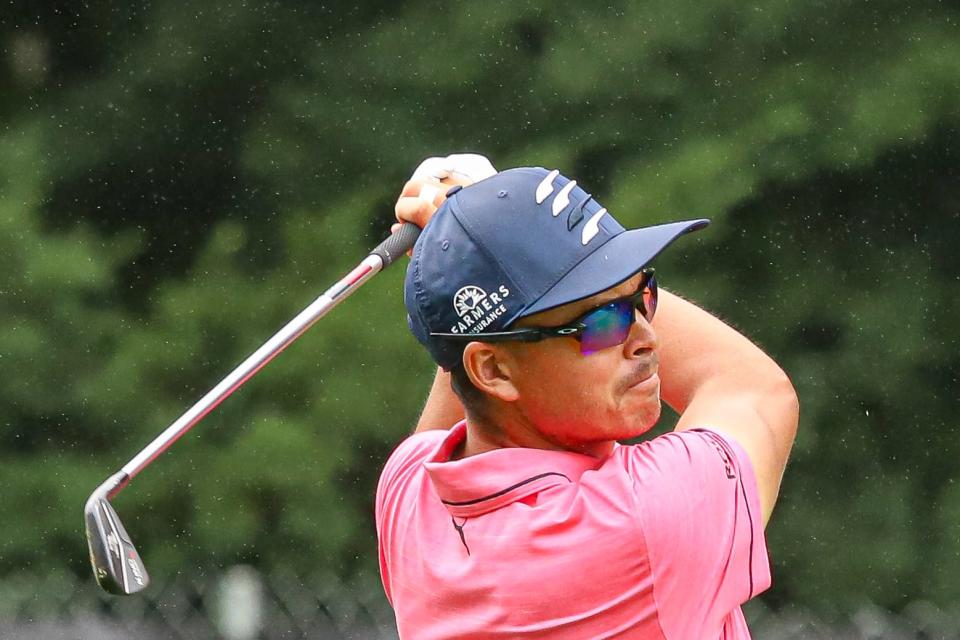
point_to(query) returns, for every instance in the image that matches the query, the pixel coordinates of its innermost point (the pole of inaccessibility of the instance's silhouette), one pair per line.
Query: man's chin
(645, 421)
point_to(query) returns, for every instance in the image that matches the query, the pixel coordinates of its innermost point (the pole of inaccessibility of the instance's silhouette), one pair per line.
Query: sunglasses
(604, 326)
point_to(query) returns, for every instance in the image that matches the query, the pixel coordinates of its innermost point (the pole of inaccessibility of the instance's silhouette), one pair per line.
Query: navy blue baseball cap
(517, 243)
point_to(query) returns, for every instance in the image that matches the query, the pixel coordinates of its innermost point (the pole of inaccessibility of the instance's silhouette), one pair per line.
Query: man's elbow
(781, 410)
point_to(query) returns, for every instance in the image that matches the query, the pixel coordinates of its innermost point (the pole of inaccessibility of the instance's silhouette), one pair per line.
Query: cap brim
(614, 262)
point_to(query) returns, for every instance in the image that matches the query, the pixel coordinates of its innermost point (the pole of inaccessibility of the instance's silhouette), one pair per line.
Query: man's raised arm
(716, 378)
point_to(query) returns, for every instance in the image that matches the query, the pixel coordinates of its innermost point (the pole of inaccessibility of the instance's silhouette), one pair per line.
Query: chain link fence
(918, 621)
(242, 604)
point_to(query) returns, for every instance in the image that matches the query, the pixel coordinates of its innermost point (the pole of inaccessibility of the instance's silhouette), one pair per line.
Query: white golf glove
(467, 166)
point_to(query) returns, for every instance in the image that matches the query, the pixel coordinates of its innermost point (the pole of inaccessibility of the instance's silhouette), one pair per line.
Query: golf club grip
(397, 244)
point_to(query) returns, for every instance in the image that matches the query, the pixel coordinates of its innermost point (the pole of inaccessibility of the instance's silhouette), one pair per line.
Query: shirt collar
(487, 481)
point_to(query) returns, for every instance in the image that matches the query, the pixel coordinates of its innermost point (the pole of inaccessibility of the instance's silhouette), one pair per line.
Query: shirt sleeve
(397, 475)
(700, 515)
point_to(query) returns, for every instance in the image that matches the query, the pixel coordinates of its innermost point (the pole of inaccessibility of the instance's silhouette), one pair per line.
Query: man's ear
(491, 369)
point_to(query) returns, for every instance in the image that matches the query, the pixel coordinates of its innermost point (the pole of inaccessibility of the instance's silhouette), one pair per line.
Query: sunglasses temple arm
(382, 256)
(520, 335)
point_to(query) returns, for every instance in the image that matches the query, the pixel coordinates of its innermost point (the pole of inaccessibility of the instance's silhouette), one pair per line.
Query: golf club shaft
(395, 245)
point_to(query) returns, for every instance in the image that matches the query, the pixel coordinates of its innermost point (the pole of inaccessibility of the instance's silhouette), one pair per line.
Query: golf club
(116, 564)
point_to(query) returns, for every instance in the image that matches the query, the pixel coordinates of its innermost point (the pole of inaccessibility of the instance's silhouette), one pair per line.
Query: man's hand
(426, 190)
(421, 197)
(464, 166)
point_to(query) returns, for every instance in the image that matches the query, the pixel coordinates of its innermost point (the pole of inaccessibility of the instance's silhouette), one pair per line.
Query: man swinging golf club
(513, 512)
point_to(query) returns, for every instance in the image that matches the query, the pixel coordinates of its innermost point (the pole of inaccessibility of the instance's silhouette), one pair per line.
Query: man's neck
(486, 435)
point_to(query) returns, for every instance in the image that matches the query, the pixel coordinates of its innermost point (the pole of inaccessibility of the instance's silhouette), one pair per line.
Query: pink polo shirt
(660, 540)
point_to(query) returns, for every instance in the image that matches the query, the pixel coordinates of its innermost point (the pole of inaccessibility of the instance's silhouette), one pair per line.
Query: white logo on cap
(562, 201)
(545, 188)
(476, 309)
(592, 228)
(563, 198)
(467, 298)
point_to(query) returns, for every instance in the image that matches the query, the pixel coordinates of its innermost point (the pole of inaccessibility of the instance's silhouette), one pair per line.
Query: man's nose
(642, 337)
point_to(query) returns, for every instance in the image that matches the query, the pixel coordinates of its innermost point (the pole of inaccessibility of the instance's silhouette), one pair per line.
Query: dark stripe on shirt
(731, 457)
(507, 490)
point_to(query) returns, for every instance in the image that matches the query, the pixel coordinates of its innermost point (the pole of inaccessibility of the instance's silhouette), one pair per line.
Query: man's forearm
(442, 409)
(716, 378)
(698, 350)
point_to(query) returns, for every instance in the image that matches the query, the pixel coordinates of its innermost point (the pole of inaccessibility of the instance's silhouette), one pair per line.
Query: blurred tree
(59, 315)
(180, 179)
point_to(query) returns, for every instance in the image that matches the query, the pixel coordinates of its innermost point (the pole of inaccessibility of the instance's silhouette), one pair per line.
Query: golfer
(513, 511)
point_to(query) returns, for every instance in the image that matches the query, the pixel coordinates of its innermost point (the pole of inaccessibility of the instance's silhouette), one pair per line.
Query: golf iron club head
(116, 564)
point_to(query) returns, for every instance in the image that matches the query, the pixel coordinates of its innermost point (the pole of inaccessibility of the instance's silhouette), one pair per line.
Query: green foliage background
(178, 179)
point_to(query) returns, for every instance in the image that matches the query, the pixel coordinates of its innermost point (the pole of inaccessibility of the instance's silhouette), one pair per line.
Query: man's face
(587, 401)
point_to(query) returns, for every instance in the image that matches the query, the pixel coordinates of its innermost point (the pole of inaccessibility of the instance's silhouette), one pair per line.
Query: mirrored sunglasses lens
(606, 327)
(650, 299)
(649, 306)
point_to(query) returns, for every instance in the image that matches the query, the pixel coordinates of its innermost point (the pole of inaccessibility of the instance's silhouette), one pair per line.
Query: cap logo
(545, 188)
(477, 309)
(592, 227)
(467, 298)
(562, 200)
